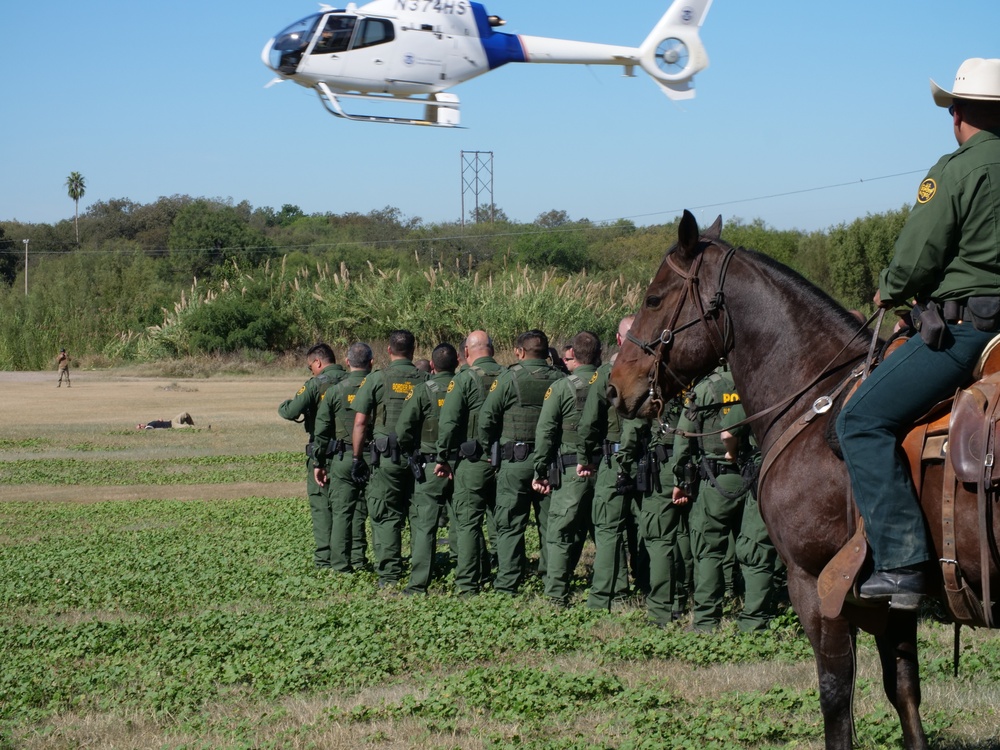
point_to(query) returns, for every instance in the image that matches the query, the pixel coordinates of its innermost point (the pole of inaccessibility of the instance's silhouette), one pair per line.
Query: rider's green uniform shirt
(949, 247)
(305, 403)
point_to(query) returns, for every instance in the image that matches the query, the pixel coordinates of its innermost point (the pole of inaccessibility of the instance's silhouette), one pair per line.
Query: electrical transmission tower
(477, 180)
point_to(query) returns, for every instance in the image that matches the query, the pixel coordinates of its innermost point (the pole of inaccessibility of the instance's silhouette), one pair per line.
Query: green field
(197, 621)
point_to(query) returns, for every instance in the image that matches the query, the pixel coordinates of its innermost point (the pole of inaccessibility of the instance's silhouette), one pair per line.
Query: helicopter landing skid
(440, 110)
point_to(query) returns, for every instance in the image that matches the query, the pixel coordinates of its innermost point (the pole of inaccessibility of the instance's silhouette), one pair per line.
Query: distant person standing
(62, 362)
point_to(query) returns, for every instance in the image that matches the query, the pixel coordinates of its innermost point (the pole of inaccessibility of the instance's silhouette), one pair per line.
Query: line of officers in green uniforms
(669, 504)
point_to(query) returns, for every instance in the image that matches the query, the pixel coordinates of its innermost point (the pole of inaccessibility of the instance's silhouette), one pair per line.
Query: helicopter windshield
(286, 52)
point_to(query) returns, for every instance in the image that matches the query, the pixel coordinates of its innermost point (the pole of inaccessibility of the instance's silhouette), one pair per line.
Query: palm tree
(76, 188)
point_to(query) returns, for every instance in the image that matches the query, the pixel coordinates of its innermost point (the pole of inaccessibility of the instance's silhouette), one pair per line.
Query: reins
(660, 347)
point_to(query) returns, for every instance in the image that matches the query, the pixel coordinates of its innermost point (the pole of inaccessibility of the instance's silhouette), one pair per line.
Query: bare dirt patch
(233, 415)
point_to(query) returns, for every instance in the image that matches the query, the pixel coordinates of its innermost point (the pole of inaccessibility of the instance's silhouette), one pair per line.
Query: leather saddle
(961, 435)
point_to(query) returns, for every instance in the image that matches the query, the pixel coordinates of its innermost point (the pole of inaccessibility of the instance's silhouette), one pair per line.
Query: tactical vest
(571, 426)
(485, 382)
(708, 417)
(323, 382)
(397, 384)
(345, 390)
(530, 386)
(429, 431)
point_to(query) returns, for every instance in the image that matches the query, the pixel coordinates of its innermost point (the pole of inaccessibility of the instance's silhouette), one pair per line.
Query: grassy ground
(156, 590)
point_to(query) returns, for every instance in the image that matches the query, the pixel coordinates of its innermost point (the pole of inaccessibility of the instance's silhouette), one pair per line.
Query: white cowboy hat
(977, 78)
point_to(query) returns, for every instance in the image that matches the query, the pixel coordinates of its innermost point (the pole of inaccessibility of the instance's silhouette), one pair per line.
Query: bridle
(721, 337)
(719, 334)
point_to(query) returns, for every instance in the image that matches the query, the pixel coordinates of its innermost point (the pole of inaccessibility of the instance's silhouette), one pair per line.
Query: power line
(788, 193)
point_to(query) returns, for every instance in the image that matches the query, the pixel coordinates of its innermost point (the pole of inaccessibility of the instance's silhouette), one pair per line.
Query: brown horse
(787, 344)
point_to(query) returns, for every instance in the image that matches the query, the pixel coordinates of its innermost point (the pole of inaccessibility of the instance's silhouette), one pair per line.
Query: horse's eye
(652, 301)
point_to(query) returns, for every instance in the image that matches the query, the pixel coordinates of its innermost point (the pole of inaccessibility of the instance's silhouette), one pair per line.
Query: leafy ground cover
(200, 623)
(192, 614)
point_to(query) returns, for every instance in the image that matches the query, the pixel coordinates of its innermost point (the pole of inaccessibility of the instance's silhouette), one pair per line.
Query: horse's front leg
(897, 649)
(833, 643)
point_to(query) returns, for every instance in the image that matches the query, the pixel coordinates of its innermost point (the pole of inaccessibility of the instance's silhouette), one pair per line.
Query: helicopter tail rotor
(673, 52)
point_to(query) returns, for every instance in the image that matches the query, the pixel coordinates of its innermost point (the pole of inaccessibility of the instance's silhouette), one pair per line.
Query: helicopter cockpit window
(286, 52)
(374, 31)
(336, 35)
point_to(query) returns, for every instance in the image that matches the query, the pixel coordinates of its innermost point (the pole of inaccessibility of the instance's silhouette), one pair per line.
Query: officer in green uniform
(558, 451)
(946, 257)
(759, 563)
(662, 517)
(718, 495)
(378, 403)
(332, 450)
(417, 432)
(461, 456)
(600, 432)
(302, 408)
(507, 425)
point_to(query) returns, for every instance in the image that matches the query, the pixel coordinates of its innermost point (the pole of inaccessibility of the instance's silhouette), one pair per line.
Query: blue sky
(152, 99)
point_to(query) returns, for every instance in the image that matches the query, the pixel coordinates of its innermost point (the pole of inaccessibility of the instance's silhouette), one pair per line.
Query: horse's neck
(789, 340)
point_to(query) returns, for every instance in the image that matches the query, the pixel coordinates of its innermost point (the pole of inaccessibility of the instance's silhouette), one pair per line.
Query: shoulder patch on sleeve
(363, 381)
(451, 386)
(409, 395)
(493, 387)
(592, 379)
(927, 190)
(547, 393)
(301, 391)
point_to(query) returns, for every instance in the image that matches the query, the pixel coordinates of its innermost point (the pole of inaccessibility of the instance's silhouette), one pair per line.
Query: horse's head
(681, 332)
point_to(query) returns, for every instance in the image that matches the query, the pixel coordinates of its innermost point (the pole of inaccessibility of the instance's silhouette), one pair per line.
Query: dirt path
(102, 400)
(233, 415)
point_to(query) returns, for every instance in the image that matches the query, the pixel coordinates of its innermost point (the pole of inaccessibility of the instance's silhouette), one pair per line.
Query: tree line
(126, 267)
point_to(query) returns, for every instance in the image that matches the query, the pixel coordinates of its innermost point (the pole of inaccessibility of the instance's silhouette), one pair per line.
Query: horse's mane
(818, 301)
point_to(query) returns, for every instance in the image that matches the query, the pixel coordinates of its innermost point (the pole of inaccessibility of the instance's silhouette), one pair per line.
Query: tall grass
(437, 304)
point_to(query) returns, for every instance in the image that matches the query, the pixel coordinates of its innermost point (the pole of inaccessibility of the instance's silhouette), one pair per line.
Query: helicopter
(413, 51)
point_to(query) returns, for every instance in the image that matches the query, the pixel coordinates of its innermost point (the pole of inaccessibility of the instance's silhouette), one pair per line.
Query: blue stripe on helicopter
(500, 48)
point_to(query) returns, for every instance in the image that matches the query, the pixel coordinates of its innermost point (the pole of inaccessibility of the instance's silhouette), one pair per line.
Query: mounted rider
(947, 258)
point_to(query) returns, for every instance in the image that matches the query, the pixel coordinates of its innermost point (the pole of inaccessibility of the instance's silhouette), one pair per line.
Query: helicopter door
(369, 61)
(326, 56)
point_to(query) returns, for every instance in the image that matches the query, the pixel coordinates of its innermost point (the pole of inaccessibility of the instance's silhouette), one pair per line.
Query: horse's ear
(687, 235)
(714, 232)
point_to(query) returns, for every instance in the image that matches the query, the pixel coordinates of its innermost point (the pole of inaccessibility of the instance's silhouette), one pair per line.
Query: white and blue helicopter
(391, 51)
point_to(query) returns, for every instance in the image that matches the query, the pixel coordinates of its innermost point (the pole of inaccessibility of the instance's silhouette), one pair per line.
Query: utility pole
(26, 267)
(477, 179)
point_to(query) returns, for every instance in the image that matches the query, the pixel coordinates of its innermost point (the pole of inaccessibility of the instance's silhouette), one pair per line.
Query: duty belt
(722, 467)
(569, 459)
(516, 451)
(433, 458)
